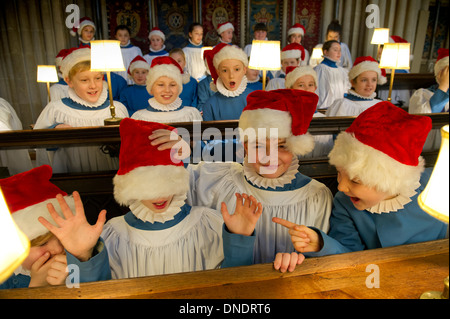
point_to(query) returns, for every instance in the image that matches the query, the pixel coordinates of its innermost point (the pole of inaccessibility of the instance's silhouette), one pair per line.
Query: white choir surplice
(171, 113)
(351, 105)
(195, 64)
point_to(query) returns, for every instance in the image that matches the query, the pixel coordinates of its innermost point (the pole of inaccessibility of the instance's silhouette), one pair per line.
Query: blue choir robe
(135, 98)
(189, 95)
(220, 107)
(255, 85)
(118, 83)
(355, 230)
(204, 91)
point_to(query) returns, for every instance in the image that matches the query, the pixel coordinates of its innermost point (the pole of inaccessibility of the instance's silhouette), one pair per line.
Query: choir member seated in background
(204, 90)
(376, 205)
(129, 51)
(364, 78)
(189, 95)
(259, 33)
(87, 105)
(165, 83)
(226, 32)
(59, 90)
(295, 35)
(253, 79)
(333, 79)
(193, 52)
(157, 46)
(135, 97)
(85, 31)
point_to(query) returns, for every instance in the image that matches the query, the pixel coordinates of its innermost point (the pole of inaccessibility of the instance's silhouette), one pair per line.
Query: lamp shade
(265, 55)
(15, 246)
(106, 56)
(434, 198)
(317, 54)
(395, 56)
(205, 49)
(380, 36)
(47, 73)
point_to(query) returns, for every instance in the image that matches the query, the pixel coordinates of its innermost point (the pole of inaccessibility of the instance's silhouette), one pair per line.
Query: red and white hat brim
(74, 58)
(296, 31)
(224, 27)
(138, 65)
(230, 52)
(291, 54)
(297, 73)
(168, 70)
(366, 66)
(158, 33)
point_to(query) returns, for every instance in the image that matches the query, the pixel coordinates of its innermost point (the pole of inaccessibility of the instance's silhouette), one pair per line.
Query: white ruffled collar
(145, 214)
(154, 51)
(103, 96)
(165, 107)
(370, 98)
(252, 176)
(393, 204)
(224, 91)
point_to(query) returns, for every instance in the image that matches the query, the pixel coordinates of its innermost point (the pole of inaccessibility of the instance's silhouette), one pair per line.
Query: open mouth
(232, 84)
(355, 200)
(160, 205)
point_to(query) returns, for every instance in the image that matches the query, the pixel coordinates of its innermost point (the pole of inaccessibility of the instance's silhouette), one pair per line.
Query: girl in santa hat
(225, 31)
(364, 77)
(157, 46)
(270, 169)
(85, 30)
(295, 35)
(87, 105)
(165, 83)
(380, 175)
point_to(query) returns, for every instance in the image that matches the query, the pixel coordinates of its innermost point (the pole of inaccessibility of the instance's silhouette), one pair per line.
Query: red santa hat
(85, 21)
(288, 111)
(73, 57)
(221, 27)
(382, 148)
(27, 195)
(156, 31)
(293, 73)
(396, 39)
(166, 66)
(297, 28)
(60, 56)
(366, 63)
(145, 172)
(441, 62)
(221, 52)
(137, 63)
(293, 51)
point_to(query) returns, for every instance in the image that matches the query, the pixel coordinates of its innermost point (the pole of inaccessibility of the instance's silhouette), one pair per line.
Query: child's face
(295, 38)
(362, 196)
(231, 72)
(305, 83)
(252, 74)
(289, 62)
(123, 36)
(196, 35)
(179, 58)
(139, 76)
(334, 53)
(227, 35)
(159, 205)
(260, 35)
(332, 35)
(87, 85)
(52, 246)
(269, 157)
(365, 83)
(165, 90)
(87, 34)
(156, 43)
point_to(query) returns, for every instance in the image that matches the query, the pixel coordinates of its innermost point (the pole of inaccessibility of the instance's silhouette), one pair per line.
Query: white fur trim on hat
(290, 54)
(168, 70)
(150, 182)
(297, 73)
(159, 33)
(295, 31)
(230, 52)
(366, 66)
(81, 26)
(441, 64)
(73, 58)
(374, 168)
(224, 27)
(27, 218)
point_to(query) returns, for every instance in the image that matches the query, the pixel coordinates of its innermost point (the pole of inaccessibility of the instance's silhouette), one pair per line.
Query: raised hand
(303, 238)
(167, 139)
(245, 216)
(74, 232)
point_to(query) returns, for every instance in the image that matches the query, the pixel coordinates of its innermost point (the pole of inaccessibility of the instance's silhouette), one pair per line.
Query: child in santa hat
(157, 46)
(85, 30)
(135, 97)
(87, 105)
(204, 90)
(296, 33)
(228, 65)
(165, 83)
(225, 31)
(270, 169)
(380, 175)
(129, 51)
(189, 95)
(193, 52)
(333, 79)
(59, 90)
(27, 195)
(364, 78)
(292, 55)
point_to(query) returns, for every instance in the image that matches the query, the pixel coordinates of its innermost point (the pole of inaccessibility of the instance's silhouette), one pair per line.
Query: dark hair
(193, 25)
(335, 27)
(260, 27)
(327, 45)
(122, 27)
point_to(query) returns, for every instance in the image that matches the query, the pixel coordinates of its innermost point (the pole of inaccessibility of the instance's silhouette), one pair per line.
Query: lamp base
(437, 294)
(112, 121)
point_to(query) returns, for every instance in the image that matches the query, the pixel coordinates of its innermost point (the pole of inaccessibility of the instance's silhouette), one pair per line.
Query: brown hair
(38, 241)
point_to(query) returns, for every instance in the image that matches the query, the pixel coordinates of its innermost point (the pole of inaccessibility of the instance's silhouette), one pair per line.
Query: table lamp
(265, 56)
(205, 49)
(106, 56)
(47, 74)
(395, 56)
(434, 199)
(317, 56)
(380, 36)
(15, 246)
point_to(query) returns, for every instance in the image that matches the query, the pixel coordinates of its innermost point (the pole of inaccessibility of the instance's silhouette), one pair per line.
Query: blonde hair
(40, 240)
(79, 67)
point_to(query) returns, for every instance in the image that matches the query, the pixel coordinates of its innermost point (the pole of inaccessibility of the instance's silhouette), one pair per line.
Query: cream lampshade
(265, 56)
(395, 56)
(106, 56)
(316, 56)
(47, 74)
(15, 246)
(380, 36)
(205, 49)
